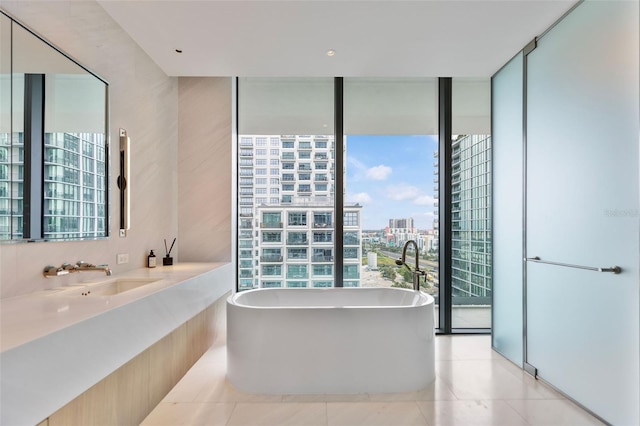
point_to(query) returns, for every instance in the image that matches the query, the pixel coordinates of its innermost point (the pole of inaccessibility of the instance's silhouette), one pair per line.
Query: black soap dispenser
(151, 260)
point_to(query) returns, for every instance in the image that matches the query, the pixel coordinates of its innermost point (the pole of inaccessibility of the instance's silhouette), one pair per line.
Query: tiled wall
(144, 101)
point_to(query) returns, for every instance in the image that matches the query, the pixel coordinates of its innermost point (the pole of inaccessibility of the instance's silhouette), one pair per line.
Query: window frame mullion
(338, 273)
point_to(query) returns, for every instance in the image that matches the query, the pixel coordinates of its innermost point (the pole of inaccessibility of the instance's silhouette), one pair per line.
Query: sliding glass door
(582, 209)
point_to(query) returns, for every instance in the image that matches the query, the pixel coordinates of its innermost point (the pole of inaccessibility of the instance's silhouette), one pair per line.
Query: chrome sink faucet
(417, 271)
(85, 266)
(53, 271)
(67, 268)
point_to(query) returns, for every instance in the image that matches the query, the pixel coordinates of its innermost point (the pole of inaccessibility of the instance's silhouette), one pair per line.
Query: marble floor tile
(207, 381)
(356, 397)
(552, 413)
(279, 414)
(189, 387)
(470, 413)
(210, 370)
(442, 347)
(437, 391)
(192, 414)
(223, 391)
(488, 379)
(374, 414)
(217, 354)
(474, 386)
(452, 347)
(211, 366)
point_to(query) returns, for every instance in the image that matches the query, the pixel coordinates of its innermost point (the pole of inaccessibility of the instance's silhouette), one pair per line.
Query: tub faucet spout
(417, 272)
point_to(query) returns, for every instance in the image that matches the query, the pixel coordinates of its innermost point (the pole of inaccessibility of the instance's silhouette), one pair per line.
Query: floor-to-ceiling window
(286, 183)
(314, 194)
(470, 199)
(391, 171)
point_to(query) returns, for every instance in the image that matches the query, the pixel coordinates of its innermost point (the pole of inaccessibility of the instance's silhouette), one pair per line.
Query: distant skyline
(392, 178)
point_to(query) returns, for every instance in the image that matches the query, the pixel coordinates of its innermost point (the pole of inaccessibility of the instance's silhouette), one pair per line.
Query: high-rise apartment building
(400, 231)
(73, 187)
(402, 224)
(296, 246)
(471, 216)
(286, 224)
(11, 186)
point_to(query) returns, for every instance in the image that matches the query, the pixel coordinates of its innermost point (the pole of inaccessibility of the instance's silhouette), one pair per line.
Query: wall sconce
(123, 185)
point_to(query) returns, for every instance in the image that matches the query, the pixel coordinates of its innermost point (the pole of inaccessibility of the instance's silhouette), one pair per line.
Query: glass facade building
(11, 185)
(74, 192)
(471, 216)
(74, 186)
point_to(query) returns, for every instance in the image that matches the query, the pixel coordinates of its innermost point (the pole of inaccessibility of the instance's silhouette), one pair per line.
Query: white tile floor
(474, 386)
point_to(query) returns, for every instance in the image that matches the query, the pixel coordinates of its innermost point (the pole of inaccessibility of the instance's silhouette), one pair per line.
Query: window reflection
(74, 202)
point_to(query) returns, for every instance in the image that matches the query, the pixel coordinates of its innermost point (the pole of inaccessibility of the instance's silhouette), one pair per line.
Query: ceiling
(370, 38)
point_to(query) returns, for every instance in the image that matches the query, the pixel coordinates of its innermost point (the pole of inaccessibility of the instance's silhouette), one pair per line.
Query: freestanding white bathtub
(330, 341)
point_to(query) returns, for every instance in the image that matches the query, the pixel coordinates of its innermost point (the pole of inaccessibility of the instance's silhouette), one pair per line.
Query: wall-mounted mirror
(54, 151)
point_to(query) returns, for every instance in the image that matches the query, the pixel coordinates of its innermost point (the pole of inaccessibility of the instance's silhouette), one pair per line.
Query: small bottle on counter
(151, 260)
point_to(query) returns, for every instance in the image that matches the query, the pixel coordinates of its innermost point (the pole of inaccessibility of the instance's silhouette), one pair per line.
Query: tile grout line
(426, 421)
(233, 410)
(516, 411)
(326, 413)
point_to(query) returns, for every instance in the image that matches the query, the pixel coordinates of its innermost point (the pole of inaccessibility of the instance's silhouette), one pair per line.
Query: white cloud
(360, 197)
(379, 172)
(356, 169)
(355, 163)
(424, 200)
(410, 193)
(423, 220)
(403, 192)
(427, 215)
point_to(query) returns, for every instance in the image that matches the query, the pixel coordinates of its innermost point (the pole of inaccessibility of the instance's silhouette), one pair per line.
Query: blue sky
(392, 178)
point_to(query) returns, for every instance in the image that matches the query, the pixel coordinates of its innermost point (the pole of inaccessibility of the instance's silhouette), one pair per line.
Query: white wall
(206, 177)
(144, 101)
(191, 180)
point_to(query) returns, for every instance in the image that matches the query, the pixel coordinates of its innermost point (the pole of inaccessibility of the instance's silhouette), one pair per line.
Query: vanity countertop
(56, 344)
(28, 317)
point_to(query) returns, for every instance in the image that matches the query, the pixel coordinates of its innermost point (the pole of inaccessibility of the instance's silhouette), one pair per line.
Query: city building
(74, 186)
(286, 218)
(405, 224)
(400, 231)
(470, 216)
(430, 241)
(296, 246)
(11, 187)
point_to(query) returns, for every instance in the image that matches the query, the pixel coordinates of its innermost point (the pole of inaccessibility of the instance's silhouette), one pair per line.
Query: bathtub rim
(425, 299)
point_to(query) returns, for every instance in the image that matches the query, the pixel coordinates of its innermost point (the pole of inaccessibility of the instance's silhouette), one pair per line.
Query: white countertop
(31, 316)
(56, 344)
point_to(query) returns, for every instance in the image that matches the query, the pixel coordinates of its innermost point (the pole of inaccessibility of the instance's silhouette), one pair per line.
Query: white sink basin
(113, 286)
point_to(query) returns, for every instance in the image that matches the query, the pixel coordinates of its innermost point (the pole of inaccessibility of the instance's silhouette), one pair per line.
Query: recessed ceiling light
(331, 52)
(178, 50)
